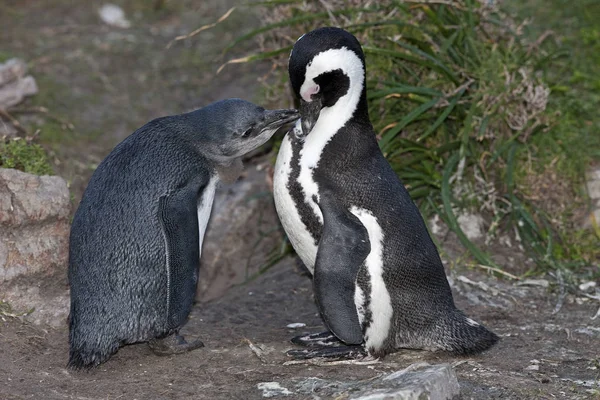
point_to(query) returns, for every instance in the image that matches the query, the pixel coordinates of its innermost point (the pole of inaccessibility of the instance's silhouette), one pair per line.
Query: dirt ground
(540, 356)
(107, 82)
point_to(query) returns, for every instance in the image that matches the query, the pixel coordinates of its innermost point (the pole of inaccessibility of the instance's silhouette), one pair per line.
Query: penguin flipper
(177, 213)
(343, 248)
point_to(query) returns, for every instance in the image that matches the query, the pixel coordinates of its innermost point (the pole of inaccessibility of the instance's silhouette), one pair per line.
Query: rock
(593, 188)
(587, 286)
(242, 231)
(34, 241)
(437, 226)
(113, 15)
(7, 130)
(471, 225)
(273, 389)
(14, 85)
(296, 325)
(419, 381)
(12, 70)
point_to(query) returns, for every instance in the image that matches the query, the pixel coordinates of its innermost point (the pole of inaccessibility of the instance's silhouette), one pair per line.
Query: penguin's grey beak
(275, 119)
(309, 112)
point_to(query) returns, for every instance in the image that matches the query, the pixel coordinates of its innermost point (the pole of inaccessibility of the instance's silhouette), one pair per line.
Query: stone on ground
(34, 242)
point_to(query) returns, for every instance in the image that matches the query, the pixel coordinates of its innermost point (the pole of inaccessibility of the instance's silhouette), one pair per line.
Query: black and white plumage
(378, 278)
(136, 237)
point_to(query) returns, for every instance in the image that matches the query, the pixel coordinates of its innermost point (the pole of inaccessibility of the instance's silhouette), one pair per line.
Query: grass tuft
(25, 156)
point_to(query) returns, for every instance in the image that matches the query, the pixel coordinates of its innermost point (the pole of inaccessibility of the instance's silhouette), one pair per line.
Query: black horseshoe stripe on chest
(307, 215)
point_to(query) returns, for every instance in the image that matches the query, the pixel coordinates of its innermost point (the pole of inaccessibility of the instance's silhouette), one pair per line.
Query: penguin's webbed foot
(173, 344)
(342, 352)
(321, 339)
(325, 345)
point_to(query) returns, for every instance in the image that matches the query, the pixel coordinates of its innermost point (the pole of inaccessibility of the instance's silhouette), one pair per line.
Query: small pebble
(585, 286)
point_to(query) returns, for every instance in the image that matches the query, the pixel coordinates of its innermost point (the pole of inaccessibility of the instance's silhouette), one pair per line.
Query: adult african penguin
(136, 237)
(378, 279)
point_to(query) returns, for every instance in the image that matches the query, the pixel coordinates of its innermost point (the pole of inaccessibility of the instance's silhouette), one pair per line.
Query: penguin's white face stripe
(380, 303)
(205, 203)
(331, 119)
(331, 60)
(299, 236)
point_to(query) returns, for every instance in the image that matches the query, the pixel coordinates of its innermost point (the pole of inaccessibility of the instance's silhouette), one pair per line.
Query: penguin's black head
(326, 65)
(234, 127)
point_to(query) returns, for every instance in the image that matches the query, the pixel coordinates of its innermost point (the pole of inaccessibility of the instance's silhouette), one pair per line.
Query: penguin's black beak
(275, 119)
(309, 112)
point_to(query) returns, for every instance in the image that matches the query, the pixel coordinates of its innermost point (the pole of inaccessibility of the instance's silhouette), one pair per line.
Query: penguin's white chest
(296, 231)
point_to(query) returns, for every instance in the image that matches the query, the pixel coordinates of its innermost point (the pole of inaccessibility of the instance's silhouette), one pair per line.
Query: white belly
(380, 303)
(296, 231)
(205, 203)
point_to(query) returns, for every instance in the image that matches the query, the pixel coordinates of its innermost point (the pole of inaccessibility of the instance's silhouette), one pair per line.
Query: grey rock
(13, 93)
(593, 189)
(34, 240)
(273, 389)
(593, 183)
(14, 85)
(437, 226)
(419, 381)
(472, 225)
(12, 70)
(113, 15)
(242, 231)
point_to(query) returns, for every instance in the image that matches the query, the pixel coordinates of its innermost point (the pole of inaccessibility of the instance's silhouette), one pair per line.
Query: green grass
(573, 143)
(463, 100)
(25, 156)
(573, 76)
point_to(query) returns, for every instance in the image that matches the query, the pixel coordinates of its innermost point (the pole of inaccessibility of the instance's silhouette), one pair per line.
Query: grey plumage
(134, 244)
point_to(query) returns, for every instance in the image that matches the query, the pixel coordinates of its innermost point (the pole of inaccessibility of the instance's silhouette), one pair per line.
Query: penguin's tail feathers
(86, 358)
(464, 336)
(81, 360)
(88, 349)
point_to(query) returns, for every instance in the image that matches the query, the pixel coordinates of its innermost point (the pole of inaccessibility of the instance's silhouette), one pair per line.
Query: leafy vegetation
(463, 98)
(25, 156)
(573, 143)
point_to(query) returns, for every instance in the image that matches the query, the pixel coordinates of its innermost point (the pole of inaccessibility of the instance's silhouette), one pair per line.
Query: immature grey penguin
(137, 235)
(378, 279)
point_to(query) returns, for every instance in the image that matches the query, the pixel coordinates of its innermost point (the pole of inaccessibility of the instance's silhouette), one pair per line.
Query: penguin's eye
(247, 133)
